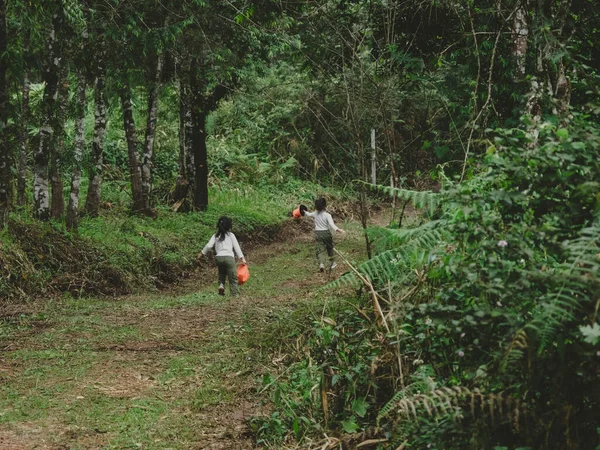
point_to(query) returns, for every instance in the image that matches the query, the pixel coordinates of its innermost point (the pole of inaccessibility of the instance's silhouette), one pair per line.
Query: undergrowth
(477, 329)
(118, 252)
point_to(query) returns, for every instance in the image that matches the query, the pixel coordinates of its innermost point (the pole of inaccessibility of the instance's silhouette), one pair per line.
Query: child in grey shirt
(323, 226)
(226, 247)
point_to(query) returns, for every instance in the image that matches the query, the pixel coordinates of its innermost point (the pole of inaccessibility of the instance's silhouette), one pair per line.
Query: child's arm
(332, 225)
(237, 249)
(208, 247)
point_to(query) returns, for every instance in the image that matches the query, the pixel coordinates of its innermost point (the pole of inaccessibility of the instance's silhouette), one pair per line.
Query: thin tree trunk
(4, 148)
(73, 206)
(364, 220)
(150, 134)
(135, 173)
(24, 144)
(58, 199)
(198, 135)
(520, 39)
(92, 203)
(183, 108)
(189, 154)
(41, 198)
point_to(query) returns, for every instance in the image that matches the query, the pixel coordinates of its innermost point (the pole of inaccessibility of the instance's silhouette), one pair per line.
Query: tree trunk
(135, 174)
(92, 203)
(198, 135)
(41, 158)
(73, 206)
(520, 39)
(4, 148)
(183, 109)
(189, 154)
(150, 134)
(58, 200)
(200, 157)
(201, 105)
(24, 144)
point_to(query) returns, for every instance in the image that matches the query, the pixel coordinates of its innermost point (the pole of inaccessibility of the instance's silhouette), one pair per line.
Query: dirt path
(170, 370)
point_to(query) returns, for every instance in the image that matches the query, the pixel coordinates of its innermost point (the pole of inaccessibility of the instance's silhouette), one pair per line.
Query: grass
(120, 253)
(155, 370)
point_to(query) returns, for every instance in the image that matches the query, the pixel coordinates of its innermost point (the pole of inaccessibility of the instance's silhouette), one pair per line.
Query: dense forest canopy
(428, 77)
(483, 326)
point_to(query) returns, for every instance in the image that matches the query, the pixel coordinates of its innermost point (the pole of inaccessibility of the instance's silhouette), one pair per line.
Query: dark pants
(227, 268)
(324, 244)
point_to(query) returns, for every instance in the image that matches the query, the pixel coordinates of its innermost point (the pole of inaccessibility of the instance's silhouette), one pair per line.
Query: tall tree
(4, 147)
(150, 137)
(96, 165)
(24, 138)
(80, 103)
(204, 101)
(50, 76)
(57, 208)
(135, 174)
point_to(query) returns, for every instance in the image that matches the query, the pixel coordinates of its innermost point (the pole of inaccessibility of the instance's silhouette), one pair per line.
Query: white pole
(373, 158)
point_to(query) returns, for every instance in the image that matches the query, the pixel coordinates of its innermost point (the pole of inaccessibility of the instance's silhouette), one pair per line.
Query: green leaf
(562, 133)
(349, 425)
(359, 406)
(591, 333)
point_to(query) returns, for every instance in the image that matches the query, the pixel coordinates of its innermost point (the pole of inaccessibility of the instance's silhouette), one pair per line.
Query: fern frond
(425, 236)
(447, 400)
(384, 266)
(420, 199)
(575, 283)
(410, 390)
(519, 343)
(407, 249)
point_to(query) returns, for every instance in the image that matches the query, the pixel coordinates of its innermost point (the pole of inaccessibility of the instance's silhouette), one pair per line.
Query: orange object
(296, 214)
(243, 273)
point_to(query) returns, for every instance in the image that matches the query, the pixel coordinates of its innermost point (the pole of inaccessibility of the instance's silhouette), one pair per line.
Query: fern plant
(577, 282)
(427, 200)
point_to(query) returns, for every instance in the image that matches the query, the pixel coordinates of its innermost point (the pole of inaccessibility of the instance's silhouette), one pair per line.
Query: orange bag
(243, 273)
(296, 214)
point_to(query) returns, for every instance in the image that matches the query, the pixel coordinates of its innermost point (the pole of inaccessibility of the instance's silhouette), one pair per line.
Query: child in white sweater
(226, 247)
(323, 237)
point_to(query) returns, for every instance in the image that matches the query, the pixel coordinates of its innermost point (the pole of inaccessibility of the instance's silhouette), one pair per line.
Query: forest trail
(169, 370)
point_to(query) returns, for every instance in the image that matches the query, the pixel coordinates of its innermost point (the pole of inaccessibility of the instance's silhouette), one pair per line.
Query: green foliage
(427, 200)
(492, 308)
(118, 253)
(342, 353)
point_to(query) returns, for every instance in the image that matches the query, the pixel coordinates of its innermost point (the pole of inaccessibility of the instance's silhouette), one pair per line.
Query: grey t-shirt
(323, 220)
(226, 247)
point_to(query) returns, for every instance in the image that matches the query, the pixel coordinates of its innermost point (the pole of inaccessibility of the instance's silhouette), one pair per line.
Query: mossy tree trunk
(146, 163)
(92, 203)
(73, 206)
(135, 174)
(50, 76)
(58, 199)
(24, 140)
(4, 148)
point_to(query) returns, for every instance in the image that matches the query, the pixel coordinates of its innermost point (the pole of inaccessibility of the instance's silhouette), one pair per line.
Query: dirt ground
(183, 359)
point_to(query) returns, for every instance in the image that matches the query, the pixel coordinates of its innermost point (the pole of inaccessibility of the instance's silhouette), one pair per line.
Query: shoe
(333, 266)
(221, 289)
(321, 268)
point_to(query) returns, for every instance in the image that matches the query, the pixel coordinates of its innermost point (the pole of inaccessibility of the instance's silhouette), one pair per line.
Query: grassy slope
(155, 371)
(117, 253)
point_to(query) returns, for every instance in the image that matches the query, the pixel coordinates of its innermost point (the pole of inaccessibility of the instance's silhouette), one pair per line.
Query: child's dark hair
(223, 227)
(320, 204)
